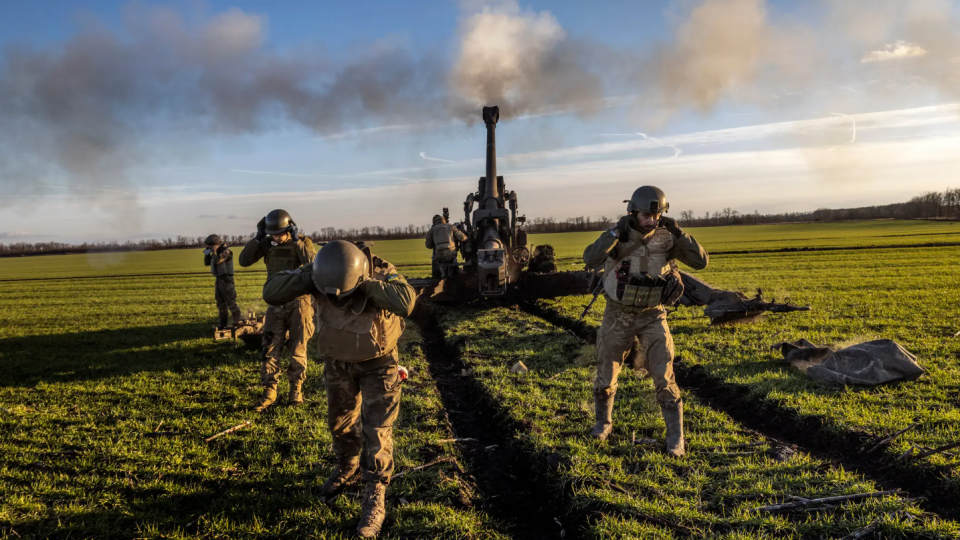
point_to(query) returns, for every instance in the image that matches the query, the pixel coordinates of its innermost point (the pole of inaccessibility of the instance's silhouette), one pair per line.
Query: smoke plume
(521, 60)
(85, 112)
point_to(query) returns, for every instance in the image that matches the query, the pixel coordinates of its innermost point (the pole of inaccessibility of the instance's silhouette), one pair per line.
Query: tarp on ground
(866, 364)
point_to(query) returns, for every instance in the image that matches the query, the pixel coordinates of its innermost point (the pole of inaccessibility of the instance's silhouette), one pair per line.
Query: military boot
(373, 510)
(673, 417)
(342, 476)
(296, 394)
(268, 398)
(604, 409)
(222, 323)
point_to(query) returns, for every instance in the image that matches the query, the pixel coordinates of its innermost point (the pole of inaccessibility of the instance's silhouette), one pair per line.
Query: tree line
(927, 205)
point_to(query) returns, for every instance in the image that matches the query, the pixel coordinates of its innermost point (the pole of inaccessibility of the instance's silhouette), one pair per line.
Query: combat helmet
(339, 268)
(647, 199)
(213, 240)
(438, 219)
(279, 221)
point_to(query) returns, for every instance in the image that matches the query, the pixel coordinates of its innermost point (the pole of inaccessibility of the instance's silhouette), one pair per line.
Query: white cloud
(894, 51)
(730, 167)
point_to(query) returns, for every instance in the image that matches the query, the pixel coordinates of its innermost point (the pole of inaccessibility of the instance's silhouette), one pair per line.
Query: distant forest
(929, 205)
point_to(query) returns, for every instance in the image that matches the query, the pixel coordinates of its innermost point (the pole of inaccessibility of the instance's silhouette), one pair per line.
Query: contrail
(424, 156)
(285, 174)
(853, 136)
(676, 150)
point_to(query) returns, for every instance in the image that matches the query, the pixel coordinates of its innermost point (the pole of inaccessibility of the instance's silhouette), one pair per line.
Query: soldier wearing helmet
(281, 247)
(218, 257)
(361, 301)
(640, 277)
(443, 239)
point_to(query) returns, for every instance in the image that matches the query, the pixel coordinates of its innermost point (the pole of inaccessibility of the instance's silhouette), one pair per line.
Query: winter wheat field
(110, 382)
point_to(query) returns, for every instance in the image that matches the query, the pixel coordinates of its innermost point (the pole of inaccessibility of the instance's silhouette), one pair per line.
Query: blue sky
(171, 121)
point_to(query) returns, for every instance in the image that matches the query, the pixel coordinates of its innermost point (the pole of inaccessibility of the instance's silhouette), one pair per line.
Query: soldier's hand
(623, 227)
(671, 225)
(294, 232)
(262, 228)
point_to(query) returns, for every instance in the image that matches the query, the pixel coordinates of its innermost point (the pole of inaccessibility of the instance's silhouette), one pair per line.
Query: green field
(91, 367)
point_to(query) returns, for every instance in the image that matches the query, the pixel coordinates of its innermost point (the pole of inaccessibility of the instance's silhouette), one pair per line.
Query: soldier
(220, 260)
(640, 277)
(443, 239)
(282, 248)
(361, 304)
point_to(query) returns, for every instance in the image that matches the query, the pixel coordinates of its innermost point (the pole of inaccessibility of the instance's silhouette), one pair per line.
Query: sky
(129, 120)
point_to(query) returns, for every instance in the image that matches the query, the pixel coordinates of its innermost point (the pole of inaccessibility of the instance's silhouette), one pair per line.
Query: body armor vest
(444, 245)
(223, 269)
(355, 337)
(284, 257)
(637, 280)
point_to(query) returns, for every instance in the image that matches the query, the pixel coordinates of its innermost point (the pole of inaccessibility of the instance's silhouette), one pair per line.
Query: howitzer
(495, 253)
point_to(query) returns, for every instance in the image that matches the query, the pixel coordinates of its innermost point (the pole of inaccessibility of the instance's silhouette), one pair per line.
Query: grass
(623, 489)
(414, 258)
(905, 294)
(91, 368)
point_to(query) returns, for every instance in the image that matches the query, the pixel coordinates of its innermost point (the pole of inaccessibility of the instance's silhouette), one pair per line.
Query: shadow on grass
(27, 361)
(257, 508)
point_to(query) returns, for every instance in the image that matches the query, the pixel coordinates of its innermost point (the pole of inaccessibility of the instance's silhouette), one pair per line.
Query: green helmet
(438, 219)
(648, 199)
(279, 222)
(339, 268)
(213, 240)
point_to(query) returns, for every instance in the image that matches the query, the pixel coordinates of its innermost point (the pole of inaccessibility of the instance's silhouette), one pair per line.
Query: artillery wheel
(521, 255)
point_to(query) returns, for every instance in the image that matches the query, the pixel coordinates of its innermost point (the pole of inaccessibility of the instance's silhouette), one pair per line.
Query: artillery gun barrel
(490, 117)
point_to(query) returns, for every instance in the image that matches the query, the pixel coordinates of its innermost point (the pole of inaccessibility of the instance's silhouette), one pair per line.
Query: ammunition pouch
(642, 291)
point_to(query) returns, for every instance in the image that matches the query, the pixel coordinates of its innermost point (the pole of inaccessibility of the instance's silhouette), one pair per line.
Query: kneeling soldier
(218, 257)
(361, 304)
(639, 278)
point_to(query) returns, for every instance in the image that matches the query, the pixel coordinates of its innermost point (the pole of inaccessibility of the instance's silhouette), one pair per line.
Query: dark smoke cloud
(93, 107)
(85, 112)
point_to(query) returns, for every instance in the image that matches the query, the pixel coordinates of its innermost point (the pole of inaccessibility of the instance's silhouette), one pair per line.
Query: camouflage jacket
(443, 238)
(684, 249)
(281, 257)
(392, 294)
(222, 263)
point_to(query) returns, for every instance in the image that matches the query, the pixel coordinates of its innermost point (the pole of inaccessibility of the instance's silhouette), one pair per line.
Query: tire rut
(516, 487)
(814, 435)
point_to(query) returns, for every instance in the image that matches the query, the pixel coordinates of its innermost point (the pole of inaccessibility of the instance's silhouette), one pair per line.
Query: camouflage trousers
(644, 337)
(447, 266)
(363, 401)
(292, 325)
(226, 296)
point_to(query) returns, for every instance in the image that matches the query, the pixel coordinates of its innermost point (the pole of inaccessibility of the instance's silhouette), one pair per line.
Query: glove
(262, 228)
(294, 232)
(671, 225)
(627, 222)
(673, 290)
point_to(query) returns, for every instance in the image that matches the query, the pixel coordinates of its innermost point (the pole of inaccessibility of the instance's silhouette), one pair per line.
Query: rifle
(597, 289)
